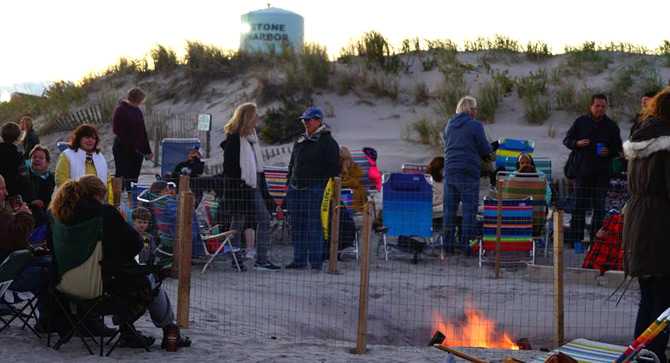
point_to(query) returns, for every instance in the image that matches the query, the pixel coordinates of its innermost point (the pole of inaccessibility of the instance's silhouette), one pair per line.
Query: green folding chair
(82, 273)
(10, 268)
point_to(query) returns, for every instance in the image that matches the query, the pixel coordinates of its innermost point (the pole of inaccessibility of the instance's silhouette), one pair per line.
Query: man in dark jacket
(465, 145)
(12, 163)
(41, 185)
(315, 159)
(646, 216)
(594, 140)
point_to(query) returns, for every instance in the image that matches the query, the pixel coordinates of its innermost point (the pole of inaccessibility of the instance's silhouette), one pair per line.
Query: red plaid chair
(607, 252)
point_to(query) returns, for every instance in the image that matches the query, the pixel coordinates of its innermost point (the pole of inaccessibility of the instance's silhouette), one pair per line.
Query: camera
(15, 201)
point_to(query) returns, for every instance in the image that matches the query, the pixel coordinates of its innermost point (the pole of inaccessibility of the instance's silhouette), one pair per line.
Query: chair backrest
(516, 224)
(211, 208)
(164, 211)
(136, 189)
(408, 204)
(521, 186)
(174, 151)
(78, 253)
(409, 168)
(347, 199)
(275, 180)
(542, 163)
(11, 267)
(62, 145)
(512, 148)
(360, 159)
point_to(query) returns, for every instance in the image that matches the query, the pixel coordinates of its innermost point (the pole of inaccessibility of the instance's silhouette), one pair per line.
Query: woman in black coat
(242, 194)
(646, 215)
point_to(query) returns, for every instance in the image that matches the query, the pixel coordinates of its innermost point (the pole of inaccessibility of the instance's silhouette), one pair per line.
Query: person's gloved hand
(495, 145)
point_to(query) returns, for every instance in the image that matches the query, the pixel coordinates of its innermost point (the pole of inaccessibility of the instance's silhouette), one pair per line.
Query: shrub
(588, 56)
(537, 109)
(487, 101)
(165, 59)
(421, 92)
(537, 51)
(205, 63)
(664, 51)
(279, 123)
(533, 85)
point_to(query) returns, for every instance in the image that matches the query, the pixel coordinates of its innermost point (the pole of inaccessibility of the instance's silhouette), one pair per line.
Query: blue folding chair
(174, 151)
(408, 209)
(512, 148)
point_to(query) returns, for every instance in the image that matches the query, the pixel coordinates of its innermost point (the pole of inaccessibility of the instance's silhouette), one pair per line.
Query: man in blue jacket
(594, 140)
(465, 145)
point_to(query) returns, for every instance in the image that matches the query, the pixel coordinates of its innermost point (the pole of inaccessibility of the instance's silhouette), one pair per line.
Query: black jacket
(238, 197)
(647, 213)
(192, 168)
(29, 143)
(586, 162)
(10, 161)
(40, 189)
(314, 159)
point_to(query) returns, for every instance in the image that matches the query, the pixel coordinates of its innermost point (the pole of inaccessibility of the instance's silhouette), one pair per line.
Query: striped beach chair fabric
(521, 186)
(512, 148)
(409, 168)
(276, 181)
(542, 163)
(516, 231)
(360, 159)
(586, 351)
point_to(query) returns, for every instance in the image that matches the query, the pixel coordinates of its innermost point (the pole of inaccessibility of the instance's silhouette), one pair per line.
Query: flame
(477, 331)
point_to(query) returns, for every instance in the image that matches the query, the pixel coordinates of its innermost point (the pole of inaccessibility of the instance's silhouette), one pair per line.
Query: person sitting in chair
(193, 167)
(78, 201)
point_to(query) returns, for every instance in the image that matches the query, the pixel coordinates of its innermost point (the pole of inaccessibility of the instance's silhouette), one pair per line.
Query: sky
(47, 40)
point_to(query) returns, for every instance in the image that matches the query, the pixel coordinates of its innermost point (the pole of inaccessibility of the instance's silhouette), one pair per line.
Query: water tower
(271, 28)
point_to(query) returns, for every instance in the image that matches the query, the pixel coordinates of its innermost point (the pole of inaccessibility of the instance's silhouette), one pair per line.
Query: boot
(171, 331)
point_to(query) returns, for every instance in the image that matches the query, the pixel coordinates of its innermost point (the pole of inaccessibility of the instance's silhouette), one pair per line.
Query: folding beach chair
(512, 148)
(174, 151)
(408, 211)
(542, 165)
(360, 159)
(409, 168)
(276, 183)
(10, 268)
(217, 240)
(516, 232)
(83, 275)
(347, 199)
(533, 185)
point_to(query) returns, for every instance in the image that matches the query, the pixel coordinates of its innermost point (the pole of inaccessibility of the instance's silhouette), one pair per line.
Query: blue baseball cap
(310, 113)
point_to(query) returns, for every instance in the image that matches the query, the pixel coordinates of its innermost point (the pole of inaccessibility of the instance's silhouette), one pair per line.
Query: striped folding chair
(347, 199)
(275, 181)
(516, 231)
(360, 159)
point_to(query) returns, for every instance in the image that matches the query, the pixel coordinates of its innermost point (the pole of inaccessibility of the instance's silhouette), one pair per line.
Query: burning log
(459, 354)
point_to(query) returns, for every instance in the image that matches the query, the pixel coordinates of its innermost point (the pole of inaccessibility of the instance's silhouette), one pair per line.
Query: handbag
(569, 167)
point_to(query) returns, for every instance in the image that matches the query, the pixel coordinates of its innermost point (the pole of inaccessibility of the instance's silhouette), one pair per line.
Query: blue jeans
(304, 208)
(33, 278)
(460, 187)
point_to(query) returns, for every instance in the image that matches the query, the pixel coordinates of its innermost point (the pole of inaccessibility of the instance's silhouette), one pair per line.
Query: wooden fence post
(559, 323)
(365, 281)
(335, 225)
(176, 248)
(116, 190)
(157, 140)
(501, 183)
(184, 229)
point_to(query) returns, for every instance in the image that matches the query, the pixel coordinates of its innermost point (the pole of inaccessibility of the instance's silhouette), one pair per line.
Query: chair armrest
(220, 235)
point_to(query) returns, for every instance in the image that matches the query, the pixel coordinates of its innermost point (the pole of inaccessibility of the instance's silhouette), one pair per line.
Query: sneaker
(131, 341)
(267, 266)
(295, 266)
(250, 254)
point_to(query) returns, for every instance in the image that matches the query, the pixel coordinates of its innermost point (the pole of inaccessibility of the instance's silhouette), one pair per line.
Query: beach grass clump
(129, 66)
(632, 80)
(375, 49)
(316, 65)
(552, 130)
(626, 48)
(451, 89)
(503, 81)
(537, 51)
(164, 58)
(500, 43)
(664, 51)
(565, 96)
(421, 92)
(488, 101)
(582, 100)
(383, 85)
(588, 56)
(349, 79)
(279, 125)
(428, 132)
(442, 52)
(533, 85)
(537, 109)
(423, 126)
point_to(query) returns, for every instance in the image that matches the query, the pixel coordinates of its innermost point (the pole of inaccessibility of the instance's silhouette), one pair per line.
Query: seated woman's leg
(160, 308)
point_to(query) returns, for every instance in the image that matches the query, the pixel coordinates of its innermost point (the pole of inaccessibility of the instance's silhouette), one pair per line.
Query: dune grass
(421, 92)
(488, 100)
(384, 85)
(533, 85)
(588, 56)
(164, 58)
(537, 109)
(565, 96)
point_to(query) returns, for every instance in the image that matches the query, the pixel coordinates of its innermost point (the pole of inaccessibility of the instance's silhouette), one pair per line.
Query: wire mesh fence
(481, 275)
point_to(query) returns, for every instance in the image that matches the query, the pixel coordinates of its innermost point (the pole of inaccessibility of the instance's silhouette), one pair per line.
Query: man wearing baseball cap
(193, 167)
(315, 159)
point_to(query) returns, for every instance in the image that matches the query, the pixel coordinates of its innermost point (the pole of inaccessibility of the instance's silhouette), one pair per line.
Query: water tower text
(271, 28)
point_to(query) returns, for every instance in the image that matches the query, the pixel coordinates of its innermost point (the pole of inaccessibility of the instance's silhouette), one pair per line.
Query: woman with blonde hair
(242, 197)
(29, 137)
(79, 201)
(352, 178)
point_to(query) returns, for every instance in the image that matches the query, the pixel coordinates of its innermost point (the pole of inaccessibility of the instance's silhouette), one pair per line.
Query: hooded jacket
(465, 145)
(128, 126)
(645, 239)
(314, 159)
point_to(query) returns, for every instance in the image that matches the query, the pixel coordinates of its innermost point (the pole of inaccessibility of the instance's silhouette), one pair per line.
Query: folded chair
(408, 210)
(276, 183)
(217, 241)
(516, 239)
(82, 290)
(9, 269)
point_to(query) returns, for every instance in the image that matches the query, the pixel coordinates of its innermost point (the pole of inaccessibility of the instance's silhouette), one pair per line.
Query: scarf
(250, 163)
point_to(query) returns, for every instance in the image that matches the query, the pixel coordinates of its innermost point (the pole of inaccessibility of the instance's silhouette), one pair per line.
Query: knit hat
(370, 152)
